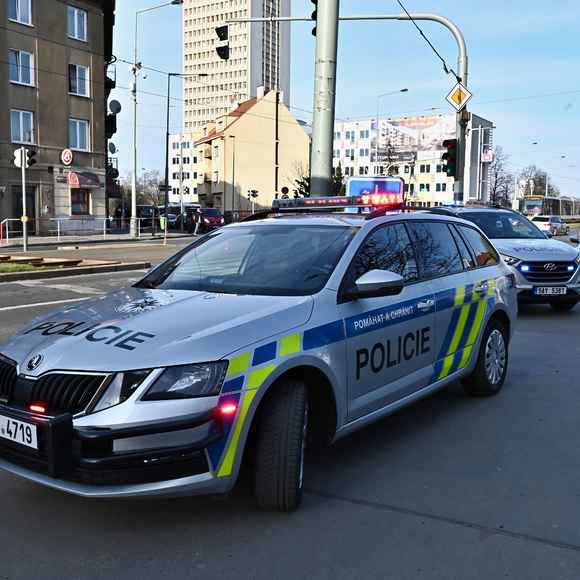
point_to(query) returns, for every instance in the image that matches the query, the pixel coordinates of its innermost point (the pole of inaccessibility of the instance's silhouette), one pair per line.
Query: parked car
(552, 224)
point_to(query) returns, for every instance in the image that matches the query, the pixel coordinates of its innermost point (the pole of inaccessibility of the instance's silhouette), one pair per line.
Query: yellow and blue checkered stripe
(469, 313)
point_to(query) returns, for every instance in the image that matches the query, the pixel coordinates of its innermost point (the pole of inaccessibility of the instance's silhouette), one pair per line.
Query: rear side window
(466, 256)
(387, 248)
(437, 251)
(485, 254)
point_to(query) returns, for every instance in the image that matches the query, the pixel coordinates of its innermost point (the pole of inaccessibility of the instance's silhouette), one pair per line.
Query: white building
(259, 56)
(411, 148)
(184, 168)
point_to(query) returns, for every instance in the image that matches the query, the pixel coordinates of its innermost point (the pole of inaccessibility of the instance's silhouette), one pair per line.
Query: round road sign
(66, 157)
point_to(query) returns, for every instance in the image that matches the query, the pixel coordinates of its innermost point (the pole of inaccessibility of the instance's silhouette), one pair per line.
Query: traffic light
(30, 158)
(314, 15)
(18, 157)
(450, 157)
(223, 44)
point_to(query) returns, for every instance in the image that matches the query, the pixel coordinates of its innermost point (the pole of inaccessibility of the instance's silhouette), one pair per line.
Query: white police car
(246, 343)
(546, 270)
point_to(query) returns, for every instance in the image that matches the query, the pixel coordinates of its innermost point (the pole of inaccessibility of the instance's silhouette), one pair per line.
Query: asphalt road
(451, 488)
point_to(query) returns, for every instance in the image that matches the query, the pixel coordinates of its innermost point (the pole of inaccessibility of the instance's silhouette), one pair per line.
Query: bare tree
(535, 179)
(501, 181)
(147, 187)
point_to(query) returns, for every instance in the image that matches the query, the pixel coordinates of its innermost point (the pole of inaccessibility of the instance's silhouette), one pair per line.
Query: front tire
(490, 371)
(282, 430)
(563, 305)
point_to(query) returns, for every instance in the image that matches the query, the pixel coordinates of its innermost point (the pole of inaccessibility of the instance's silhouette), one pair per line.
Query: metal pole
(233, 138)
(23, 161)
(166, 221)
(133, 230)
(324, 98)
(181, 181)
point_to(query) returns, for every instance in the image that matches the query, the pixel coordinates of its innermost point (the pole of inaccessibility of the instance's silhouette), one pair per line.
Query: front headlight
(578, 259)
(186, 382)
(120, 387)
(510, 260)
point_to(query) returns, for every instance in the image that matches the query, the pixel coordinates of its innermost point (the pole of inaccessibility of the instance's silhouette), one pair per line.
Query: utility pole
(23, 159)
(324, 97)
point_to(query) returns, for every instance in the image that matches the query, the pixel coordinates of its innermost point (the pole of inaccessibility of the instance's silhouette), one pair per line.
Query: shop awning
(84, 180)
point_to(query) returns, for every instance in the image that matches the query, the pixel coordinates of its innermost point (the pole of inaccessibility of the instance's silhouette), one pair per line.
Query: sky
(524, 65)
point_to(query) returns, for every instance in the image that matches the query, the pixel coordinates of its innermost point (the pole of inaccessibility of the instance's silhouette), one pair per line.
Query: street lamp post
(379, 97)
(168, 116)
(233, 138)
(136, 68)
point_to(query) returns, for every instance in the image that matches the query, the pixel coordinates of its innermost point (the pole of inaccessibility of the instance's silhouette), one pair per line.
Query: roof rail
(260, 215)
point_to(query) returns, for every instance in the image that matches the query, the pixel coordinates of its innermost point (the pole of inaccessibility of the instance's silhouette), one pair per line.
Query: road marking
(67, 287)
(38, 304)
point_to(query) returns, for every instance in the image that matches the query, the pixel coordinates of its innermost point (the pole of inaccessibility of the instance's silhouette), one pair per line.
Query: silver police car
(250, 342)
(547, 271)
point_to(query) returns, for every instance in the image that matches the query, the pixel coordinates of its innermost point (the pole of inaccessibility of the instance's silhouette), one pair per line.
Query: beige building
(259, 56)
(53, 91)
(260, 146)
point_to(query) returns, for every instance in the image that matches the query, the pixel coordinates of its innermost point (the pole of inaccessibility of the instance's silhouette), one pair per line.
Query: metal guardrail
(91, 228)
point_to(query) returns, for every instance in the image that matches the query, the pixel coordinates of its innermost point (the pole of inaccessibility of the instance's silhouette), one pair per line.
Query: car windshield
(211, 211)
(503, 226)
(266, 260)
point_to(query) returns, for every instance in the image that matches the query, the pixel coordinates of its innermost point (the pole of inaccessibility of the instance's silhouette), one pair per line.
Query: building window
(186, 161)
(80, 202)
(439, 168)
(21, 65)
(443, 187)
(427, 168)
(22, 126)
(195, 160)
(78, 134)
(20, 11)
(175, 176)
(78, 80)
(407, 169)
(175, 161)
(176, 146)
(77, 23)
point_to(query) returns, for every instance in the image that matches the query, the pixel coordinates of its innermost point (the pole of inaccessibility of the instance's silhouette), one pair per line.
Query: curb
(77, 271)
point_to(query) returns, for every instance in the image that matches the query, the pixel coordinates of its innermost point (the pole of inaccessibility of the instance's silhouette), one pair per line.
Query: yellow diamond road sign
(459, 97)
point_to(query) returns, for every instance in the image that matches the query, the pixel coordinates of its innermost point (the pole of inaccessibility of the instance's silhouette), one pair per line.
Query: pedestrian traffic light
(314, 15)
(223, 44)
(30, 158)
(450, 157)
(18, 157)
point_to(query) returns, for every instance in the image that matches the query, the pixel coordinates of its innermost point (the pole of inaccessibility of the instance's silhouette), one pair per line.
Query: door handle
(426, 304)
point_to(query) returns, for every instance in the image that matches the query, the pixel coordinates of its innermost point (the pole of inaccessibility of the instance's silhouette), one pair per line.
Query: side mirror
(375, 284)
(549, 235)
(575, 240)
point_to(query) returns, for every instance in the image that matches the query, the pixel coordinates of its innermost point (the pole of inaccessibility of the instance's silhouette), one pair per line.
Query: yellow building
(259, 146)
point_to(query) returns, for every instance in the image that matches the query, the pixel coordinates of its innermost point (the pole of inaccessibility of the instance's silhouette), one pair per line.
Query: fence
(57, 229)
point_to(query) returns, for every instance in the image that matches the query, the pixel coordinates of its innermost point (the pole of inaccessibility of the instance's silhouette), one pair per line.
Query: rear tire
(490, 371)
(564, 305)
(280, 447)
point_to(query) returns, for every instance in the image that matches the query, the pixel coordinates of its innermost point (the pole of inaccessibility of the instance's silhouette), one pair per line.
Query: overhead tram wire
(446, 67)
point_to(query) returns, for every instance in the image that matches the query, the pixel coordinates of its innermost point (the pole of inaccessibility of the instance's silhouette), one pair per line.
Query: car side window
(436, 249)
(485, 254)
(466, 257)
(387, 248)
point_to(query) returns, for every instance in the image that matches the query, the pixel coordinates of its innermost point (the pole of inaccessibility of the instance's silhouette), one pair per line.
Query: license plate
(551, 290)
(18, 432)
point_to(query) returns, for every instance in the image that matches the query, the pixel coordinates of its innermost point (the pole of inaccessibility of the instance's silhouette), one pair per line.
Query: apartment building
(184, 168)
(259, 56)
(259, 147)
(53, 93)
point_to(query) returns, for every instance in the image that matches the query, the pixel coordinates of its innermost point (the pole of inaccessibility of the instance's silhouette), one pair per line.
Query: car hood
(138, 328)
(537, 250)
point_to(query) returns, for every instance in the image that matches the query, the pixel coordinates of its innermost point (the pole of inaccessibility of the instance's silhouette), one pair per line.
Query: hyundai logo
(34, 362)
(550, 267)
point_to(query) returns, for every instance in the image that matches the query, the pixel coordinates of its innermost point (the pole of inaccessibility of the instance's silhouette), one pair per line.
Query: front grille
(557, 272)
(59, 392)
(64, 393)
(7, 379)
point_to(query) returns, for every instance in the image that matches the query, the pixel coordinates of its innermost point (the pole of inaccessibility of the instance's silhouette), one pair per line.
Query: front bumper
(526, 294)
(83, 460)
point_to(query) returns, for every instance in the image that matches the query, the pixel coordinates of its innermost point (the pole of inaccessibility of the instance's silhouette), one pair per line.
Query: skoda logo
(550, 267)
(34, 362)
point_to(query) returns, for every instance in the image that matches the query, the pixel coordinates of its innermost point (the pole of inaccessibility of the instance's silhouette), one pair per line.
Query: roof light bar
(368, 200)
